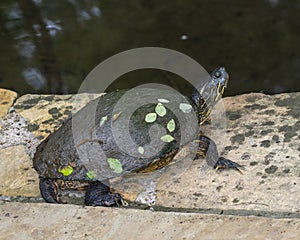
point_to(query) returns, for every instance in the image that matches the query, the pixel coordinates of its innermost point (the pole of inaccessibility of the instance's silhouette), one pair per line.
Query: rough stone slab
(263, 134)
(17, 177)
(7, 99)
(48, 221)
(46, 113)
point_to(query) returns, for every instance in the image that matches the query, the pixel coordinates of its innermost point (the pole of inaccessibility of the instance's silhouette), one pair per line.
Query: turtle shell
(118, 133)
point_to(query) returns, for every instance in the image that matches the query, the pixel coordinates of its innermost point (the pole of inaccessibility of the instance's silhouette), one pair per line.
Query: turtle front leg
(98, 194)
(208, 149)
(48, 190)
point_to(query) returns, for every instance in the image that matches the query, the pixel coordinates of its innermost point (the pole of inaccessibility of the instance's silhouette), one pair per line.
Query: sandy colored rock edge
(18, 178)
(7, 98)
(48, 221)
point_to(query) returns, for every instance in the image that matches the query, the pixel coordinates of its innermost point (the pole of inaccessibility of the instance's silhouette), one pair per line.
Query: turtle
(127, 132)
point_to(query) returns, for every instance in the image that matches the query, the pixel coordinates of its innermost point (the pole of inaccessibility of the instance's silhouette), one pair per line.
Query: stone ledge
(263, 133)
(49, 221)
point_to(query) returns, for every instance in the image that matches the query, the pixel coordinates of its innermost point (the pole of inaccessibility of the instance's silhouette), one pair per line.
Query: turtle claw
(98, 194)
(108, 200)
(224, 163)
(115, 199)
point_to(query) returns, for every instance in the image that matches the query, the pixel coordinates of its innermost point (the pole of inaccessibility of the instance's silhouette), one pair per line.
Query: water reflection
(49, 46)
(34, 78)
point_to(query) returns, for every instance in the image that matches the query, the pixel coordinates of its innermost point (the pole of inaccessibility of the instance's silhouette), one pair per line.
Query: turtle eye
(218, 74)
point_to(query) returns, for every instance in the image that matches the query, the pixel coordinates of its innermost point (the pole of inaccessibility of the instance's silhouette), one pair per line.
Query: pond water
(49, 46)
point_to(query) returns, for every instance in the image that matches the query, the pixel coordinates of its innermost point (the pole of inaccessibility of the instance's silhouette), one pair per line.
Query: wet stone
(269, 112)
(255, 107)
(249, 133)
(251, 99)
(239, 138)
(285, 128)
(288, 136)
(268, 123)
(32, 127)
(68, 113)
(265, 143)
(294, 111)
(198, 186)
(233, 115)
(286, 170)
(271, 169)
(246, 156)
(265, 132)
(266, 162)
(287, 101)
(53, 111)
(275, 138)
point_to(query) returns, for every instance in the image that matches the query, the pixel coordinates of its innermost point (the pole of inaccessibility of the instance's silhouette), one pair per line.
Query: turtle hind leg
(99, 194)
(48, 190)
(208, 149)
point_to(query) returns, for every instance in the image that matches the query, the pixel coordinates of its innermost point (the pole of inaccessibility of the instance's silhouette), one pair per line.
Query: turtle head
(210, 92)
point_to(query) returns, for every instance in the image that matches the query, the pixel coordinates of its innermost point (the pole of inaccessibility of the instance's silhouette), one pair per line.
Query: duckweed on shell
(141, 150)
(171, 125)
(185, 107)
(103, 120)
(66, 171)
(167, 138)
(116, 116)
(150, 117)
(115, 165)
(162, 100)
(90, 175)
(160, 110)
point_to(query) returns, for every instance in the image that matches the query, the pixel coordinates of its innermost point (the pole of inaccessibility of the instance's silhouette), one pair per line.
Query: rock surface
(7, 99)
(48, 221)
(47, 113)
(18, 178)
(262, 133)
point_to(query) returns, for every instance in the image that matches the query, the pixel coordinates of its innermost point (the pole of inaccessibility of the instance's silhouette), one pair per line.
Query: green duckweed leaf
(160, 110)
(141, 150)
(66, 171)
(171, 125)
(150, 117)
(167, 138)
(115, 165)
(116, 116)
(103, 120)
(90, 175)
(185, 107)
(163, 100)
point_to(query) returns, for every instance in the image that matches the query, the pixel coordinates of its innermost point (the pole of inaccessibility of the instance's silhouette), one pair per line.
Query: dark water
(49, 46)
